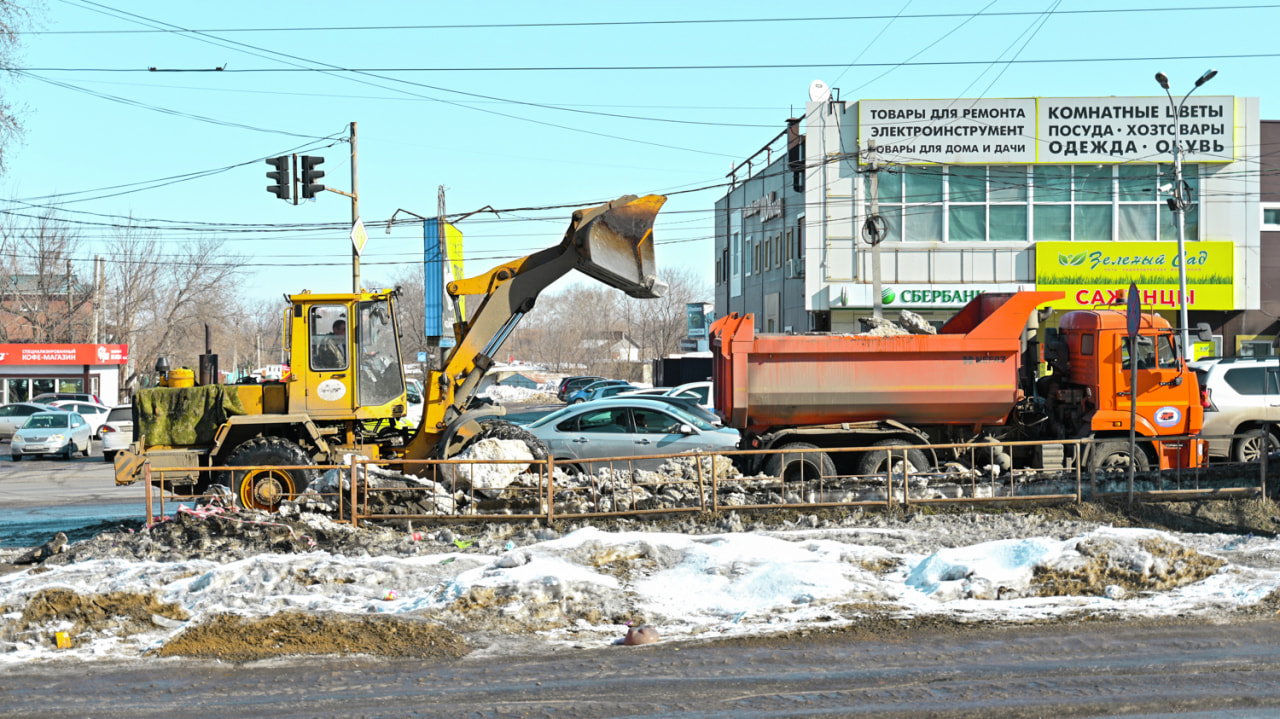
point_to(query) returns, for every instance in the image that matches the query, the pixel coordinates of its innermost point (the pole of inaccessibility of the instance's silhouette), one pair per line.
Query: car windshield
(689, 417)
(553, 417)
(47, 421)
(121, 414)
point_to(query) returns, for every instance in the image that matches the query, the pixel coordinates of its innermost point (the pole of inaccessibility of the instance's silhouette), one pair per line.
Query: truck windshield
(381, 376)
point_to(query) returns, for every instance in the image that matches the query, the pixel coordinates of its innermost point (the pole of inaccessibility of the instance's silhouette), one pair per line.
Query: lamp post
(1178, 203)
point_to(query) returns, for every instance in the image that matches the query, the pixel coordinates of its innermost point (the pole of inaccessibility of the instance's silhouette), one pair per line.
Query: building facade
(1002, 195)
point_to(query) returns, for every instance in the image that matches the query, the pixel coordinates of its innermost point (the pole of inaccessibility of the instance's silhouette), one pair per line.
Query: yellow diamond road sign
(359, 236)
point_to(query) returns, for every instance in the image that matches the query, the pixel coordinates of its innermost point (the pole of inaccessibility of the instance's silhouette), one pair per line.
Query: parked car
(50, 397)
(699, 390)
(600, 390)
(625, 427)
(569, 385)
(687, 403)
(1242, 394)
(14, 415)
(646, 392)
(117, 432)
(57, 433)
(94, 414)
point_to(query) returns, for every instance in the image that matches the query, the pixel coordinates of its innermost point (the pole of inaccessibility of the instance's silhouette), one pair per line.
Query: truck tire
(1112, 455)
(811, 463)
(1250, 449)
(877, 461)
(264, 487)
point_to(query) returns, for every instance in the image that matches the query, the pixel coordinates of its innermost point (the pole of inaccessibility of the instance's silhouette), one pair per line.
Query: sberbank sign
(904, 296)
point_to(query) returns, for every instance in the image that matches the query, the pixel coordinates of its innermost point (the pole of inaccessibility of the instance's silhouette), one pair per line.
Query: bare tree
(41, 299)
(13, 17)
(160, 299)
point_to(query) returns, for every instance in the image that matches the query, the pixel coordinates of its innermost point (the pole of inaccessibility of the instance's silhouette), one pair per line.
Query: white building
(996, 195)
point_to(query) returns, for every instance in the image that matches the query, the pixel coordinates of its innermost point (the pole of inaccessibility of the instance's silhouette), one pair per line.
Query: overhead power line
(651, 68)
(641, 23)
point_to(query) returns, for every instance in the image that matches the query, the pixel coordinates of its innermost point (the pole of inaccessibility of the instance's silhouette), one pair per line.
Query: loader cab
(346, 355)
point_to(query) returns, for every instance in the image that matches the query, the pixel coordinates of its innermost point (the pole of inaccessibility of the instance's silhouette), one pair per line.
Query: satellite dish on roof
(818, 91)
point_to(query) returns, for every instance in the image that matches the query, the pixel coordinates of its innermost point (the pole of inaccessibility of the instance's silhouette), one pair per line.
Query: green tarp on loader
(185, 416)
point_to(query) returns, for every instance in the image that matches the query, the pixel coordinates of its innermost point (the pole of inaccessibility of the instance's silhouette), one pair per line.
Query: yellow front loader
(346, 392)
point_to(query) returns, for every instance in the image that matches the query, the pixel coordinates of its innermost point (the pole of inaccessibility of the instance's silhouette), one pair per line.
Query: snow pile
(584, 587)
(488, 475)
(543, 394)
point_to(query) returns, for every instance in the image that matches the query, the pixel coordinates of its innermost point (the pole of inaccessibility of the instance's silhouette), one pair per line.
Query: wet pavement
(1092, 669)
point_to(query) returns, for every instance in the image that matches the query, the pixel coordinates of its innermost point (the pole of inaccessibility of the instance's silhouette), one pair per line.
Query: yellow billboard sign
(1097, 274)
(453, 254)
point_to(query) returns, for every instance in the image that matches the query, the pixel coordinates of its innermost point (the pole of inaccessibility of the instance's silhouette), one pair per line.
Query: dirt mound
(1159, 565)
(123, 613)
(230, 637)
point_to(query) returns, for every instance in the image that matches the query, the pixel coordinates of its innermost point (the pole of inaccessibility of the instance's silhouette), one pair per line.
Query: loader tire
(265, 486)
(795, 465)
(876, 461)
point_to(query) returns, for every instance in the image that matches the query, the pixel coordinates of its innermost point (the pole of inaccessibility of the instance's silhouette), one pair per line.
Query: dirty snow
(513, 587)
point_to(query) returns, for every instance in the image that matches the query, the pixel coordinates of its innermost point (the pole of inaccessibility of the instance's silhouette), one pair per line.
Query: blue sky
(629, 104)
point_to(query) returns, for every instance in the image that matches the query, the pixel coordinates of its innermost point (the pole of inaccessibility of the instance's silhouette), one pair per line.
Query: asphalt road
(39, 497)
(1193, 669)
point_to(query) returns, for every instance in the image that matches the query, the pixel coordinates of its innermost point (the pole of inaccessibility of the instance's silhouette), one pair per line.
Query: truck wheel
(1113, 456)
(265, 486)
(877, 461)
(1249, 449)
(797, 465)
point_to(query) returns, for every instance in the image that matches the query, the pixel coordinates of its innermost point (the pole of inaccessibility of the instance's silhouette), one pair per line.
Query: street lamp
(1178, 203)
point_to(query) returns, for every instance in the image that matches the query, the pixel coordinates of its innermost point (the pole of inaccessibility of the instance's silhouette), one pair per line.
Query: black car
(569, 385)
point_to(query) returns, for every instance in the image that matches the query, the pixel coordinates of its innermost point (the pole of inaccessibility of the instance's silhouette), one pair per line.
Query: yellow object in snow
(62, 640)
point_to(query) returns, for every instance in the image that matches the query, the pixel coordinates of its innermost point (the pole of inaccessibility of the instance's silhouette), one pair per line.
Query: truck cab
(1100, 368)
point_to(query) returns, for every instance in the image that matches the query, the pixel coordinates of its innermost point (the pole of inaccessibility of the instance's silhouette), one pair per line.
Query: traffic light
(310, 175)
(280, 176)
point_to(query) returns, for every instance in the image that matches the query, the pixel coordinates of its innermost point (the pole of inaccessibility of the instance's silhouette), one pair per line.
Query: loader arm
(612, 243)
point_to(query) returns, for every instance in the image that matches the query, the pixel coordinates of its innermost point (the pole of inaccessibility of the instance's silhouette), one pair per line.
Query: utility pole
(873, 230)
(70, 308)
(355, 211)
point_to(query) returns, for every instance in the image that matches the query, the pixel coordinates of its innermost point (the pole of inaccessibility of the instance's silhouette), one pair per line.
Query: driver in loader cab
(332, 352)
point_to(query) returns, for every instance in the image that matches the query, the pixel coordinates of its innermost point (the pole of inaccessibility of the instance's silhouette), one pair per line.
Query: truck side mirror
(1204, 333)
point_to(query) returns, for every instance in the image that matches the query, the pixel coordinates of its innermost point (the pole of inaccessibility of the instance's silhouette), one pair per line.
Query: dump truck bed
(967, 374)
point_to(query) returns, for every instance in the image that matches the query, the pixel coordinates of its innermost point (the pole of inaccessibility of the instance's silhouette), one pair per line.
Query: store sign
(909, 296)
(1053, 130)
(33, 354)
(768, 207)
(1097, 274)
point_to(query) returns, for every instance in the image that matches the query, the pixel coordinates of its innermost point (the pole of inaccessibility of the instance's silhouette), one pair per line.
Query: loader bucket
(614, 243)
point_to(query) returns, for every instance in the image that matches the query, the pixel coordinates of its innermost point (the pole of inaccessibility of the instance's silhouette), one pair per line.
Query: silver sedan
(629, 427)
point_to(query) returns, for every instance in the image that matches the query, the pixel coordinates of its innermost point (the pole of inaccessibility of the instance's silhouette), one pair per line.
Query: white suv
(1242, 394)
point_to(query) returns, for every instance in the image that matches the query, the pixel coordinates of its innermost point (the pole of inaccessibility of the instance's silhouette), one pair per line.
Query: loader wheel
(877, 461)
(1113, 456)
(795, 465)
(266, 485)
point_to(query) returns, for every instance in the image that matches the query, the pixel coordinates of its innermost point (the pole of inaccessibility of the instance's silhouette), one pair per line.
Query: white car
(700, 391)
(94, 414)
(117, 433)
(55, 433)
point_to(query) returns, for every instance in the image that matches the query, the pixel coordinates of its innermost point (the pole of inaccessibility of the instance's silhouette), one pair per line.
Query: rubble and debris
(44, 551)
(915, 324)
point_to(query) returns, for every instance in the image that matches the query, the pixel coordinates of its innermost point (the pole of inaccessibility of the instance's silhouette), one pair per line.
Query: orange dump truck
(973, 382)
